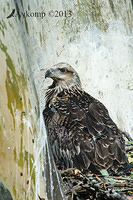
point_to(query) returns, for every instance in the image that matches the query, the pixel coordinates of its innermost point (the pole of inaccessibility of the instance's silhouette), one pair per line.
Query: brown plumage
(80, 130)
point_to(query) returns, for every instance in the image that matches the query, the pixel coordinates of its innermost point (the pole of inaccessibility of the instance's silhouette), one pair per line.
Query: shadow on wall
(4, 193)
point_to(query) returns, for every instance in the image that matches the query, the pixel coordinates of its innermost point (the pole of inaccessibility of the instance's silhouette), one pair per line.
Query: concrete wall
(97, 40)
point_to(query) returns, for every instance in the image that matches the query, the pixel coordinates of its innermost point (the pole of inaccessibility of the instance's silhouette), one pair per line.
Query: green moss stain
(14, 190)
(15, 84)
(84, 14)
(2, 27)
(25, 159)
(16, 87)
(20, 160)
(4, 10)
(97, 16)
(31, 161)
(40, 35)
(28, 8)
(1, 134)
(33, 177)
(13, 88)
(15, 154)
(2, 30)
(29, 158)
(112, 7)
(3, 177)
(22, 125)
(22, 4)
(30, 164)
(21, 146)
(26, 25)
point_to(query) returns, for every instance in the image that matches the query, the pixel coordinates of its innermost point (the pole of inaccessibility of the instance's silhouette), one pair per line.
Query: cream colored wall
(97, 41)
(20, 160)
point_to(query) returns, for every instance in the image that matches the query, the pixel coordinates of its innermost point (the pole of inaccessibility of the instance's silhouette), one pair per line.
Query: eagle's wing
(81, 133)
(68, 137)
(109, 142)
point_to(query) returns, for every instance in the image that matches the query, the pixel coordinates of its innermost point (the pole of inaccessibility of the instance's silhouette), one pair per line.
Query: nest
(80, 186)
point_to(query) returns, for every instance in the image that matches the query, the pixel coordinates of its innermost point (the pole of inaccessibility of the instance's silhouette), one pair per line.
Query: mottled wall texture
(96, 38)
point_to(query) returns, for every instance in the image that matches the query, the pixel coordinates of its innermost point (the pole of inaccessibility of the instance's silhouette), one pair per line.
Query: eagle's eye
(62, 69)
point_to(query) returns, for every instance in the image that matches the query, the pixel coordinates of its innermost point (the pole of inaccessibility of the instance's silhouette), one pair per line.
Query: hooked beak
(53, 73)
(48, 73)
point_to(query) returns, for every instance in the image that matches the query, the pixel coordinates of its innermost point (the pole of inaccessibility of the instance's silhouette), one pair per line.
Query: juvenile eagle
(80, 130)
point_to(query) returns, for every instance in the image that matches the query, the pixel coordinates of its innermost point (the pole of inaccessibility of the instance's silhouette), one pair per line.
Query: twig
(122, 185)
(120, 178)
(129, 148)
(127, 136)
(125, 190)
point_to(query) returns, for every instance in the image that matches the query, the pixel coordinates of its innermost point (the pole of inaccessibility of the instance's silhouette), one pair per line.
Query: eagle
(80, 131)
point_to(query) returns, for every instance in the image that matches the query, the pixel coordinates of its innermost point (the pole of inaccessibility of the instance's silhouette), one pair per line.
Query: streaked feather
(80, 130)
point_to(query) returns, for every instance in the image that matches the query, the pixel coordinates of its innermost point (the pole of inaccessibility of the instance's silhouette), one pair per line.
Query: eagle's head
(64, 77)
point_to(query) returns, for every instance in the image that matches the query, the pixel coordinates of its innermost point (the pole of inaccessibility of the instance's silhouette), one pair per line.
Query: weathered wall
(97, 40)
(26, 170)
(19, 113)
